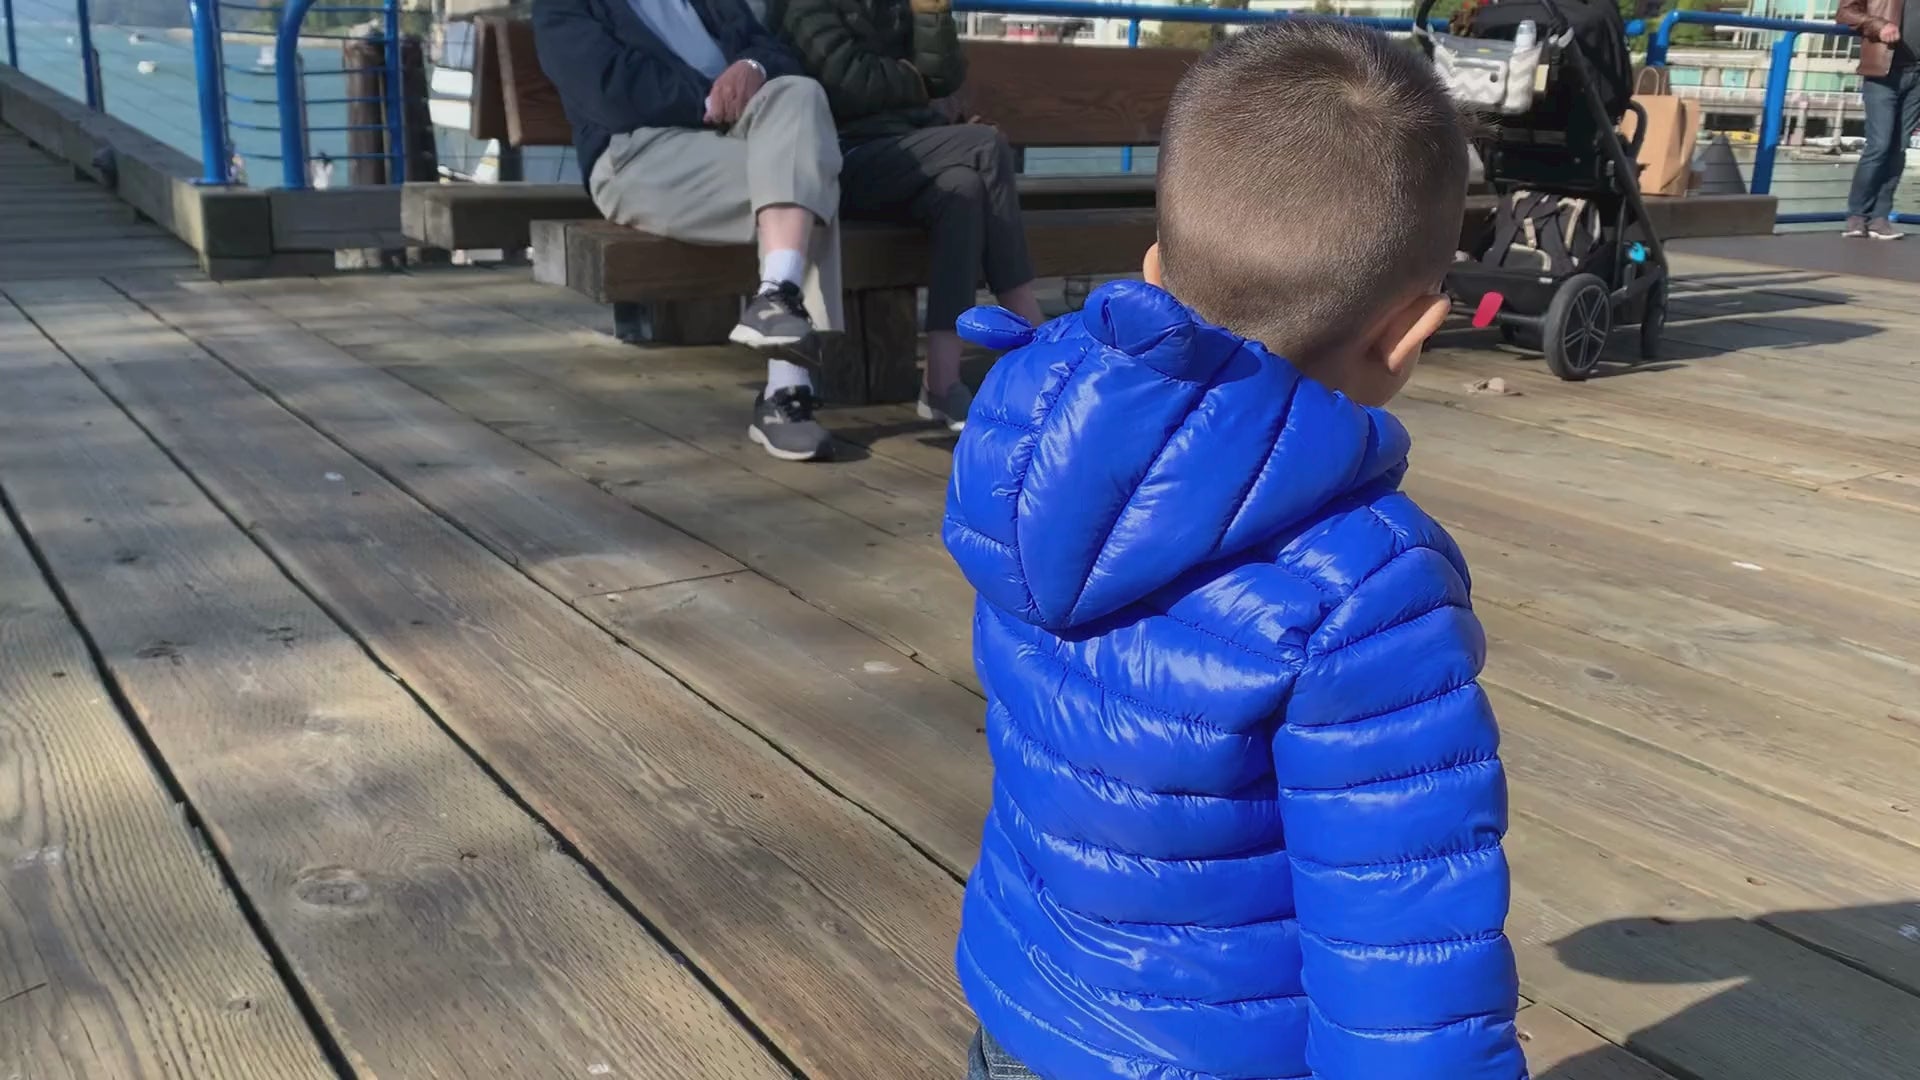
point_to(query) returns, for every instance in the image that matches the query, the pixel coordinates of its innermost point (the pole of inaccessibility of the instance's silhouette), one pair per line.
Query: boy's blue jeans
(987, 1061)
(1893, 111)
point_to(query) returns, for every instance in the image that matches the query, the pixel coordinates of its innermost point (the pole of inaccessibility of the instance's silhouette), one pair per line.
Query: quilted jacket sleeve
(1394, 804)
(835, 42)
(936, 48)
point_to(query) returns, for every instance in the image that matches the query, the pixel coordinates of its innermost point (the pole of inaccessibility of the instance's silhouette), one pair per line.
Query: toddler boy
(1247, 805)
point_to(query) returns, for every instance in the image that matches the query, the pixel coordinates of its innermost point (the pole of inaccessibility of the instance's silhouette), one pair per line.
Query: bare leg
(943, 360)
(1021, 301)
(784, 228)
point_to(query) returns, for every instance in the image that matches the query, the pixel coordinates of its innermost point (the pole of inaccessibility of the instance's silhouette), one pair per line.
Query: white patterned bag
(1487, 74)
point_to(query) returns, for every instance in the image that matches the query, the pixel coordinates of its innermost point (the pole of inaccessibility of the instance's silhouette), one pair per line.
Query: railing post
(1133, 42)
(89, 60)
(1662, 40)
(1773, 114)
(287, 93)
(210, 81)
(396, 115)
(13, 44)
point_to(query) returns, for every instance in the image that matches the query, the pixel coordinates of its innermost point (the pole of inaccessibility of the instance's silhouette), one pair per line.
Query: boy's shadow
(1740, 999)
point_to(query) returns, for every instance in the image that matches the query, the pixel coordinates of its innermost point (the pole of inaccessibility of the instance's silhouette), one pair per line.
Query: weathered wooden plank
(1559, 1048)
(683, 393)
(576, 539)
(154, 178)
(121, 951)
(435, 924)
(1844, 767)
(532, 103)
(885, 732)
(830, 932)
(609, 263)
(502, 215)
(1785, 661)
(1748, 519)
(1598, 543)
(1650, 963)
(489, 119)
(854, 570)
(1456, 378)
(336, 219)
(1845, 892)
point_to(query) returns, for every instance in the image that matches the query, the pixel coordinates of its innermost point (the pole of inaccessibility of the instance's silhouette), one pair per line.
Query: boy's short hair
(1312, 173)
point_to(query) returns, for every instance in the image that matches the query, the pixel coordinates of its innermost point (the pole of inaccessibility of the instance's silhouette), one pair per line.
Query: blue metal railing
(295, 151)
(139, 74)
(294, 127)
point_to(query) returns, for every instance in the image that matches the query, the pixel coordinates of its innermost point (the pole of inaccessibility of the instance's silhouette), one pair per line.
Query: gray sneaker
(776, 321)
(949, 408)
(784, 426)
(1856, 229)
(1882, 229)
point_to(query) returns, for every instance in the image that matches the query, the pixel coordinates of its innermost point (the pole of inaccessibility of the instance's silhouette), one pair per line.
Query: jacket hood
(1116, 448)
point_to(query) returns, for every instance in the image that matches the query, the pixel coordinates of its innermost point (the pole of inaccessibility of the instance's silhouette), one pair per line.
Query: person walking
(1890, 91)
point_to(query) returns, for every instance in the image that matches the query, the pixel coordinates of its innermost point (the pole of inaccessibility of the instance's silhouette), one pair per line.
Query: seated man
(690, 121)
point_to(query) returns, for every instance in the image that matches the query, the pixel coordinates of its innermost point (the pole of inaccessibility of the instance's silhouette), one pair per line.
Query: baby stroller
(1569, 253)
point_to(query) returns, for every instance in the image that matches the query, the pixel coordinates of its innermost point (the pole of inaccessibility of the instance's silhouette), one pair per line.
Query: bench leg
(889, 325)
(631, 324)
(695, 322)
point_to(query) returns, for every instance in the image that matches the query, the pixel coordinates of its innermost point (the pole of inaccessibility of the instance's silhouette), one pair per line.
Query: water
(166, 104)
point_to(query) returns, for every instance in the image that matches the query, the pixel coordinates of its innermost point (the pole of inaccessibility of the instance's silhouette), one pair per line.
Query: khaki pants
(704, 187)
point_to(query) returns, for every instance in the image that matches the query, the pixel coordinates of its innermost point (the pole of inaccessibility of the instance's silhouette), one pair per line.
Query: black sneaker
(1882, 229)
(776, 321)
(784, 426)
(1856, 228)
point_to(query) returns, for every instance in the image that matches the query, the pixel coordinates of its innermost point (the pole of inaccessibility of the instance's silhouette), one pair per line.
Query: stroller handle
(1423, 14)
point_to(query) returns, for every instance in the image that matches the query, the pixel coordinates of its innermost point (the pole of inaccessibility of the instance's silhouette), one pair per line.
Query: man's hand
(732, 90)
(1889, 33)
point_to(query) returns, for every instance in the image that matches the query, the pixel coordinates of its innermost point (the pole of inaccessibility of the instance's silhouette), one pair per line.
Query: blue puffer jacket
(1247, 805)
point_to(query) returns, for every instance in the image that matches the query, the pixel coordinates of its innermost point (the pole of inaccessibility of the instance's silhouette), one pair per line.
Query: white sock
(784, 373)
(783, 266)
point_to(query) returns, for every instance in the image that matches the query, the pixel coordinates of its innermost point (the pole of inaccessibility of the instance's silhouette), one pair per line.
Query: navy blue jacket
(1248, 803)
(615, 75)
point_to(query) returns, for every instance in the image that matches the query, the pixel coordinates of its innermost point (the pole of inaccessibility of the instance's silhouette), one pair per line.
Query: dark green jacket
(860, 49)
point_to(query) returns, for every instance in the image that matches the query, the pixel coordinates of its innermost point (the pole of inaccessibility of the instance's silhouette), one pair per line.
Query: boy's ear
(1406, 331)
(1150, 270)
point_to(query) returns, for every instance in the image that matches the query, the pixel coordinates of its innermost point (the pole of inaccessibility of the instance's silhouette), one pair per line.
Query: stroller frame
(1573, 316)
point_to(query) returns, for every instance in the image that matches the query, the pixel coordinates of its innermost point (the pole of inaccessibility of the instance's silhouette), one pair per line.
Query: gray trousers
(704, 186)
(958, 183)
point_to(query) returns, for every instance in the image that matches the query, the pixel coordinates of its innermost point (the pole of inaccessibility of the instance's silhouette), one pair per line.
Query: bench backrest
(1039, 95)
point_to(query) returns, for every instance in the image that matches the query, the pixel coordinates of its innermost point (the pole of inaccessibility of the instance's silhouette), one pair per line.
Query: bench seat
(487, 216)
(882, 267)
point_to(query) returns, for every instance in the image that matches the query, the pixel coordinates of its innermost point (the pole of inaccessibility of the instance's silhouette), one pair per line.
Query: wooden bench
(1040, 95)
(1078, 225)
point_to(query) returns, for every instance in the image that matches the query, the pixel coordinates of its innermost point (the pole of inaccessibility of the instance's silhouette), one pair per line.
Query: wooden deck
(400, 678)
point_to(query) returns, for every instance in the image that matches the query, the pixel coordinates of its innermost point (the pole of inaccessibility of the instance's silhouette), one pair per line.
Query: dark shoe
(1882, 229)
(784, 426)
(951, 407)
(776, 321)
(1856, 229)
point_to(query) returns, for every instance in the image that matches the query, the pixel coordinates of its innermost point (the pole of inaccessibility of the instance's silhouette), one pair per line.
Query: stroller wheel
(1654, 322)
(1579, 320)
